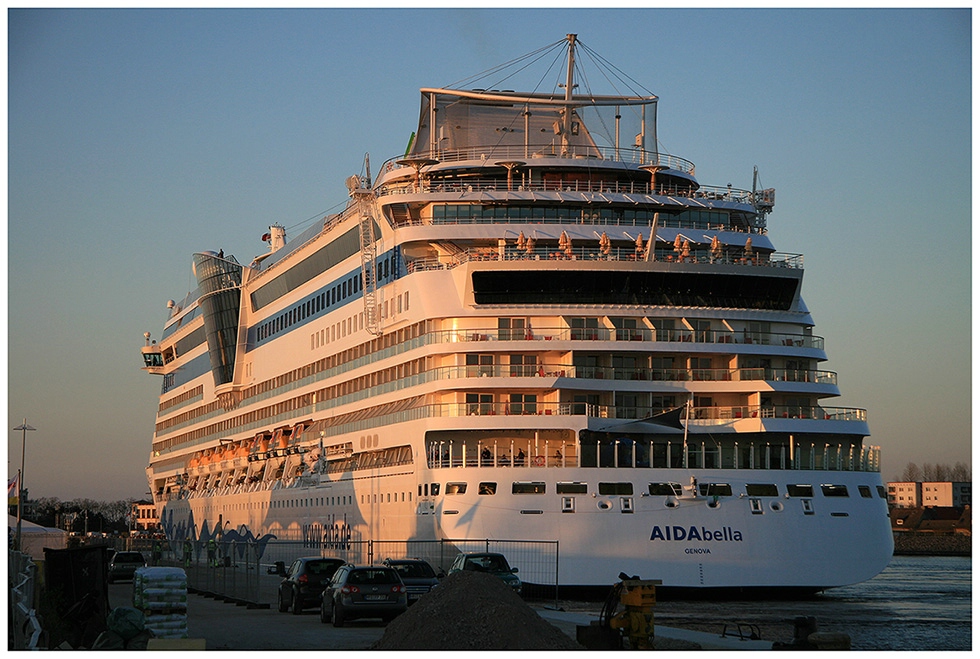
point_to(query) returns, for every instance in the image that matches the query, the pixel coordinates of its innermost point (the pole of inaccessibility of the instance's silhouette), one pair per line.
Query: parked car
(495, 564)
(363, 592)
(304, 581)
(123, 565)
(417, 575)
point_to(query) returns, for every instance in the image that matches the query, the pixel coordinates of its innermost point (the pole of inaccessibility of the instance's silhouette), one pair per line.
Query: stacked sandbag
(161, 594)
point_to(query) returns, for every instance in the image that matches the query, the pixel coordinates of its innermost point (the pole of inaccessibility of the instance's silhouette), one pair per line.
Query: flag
(13, 485)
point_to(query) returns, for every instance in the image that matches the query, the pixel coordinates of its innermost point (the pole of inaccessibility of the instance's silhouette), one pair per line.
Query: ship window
(527, 487)
(572, 488)
(834, 490)
(799, 490)
(435, 489)
(487, 488)
(881, 491)
(761, 490)
(523, 404)
(865, 491)
(664, 489)
(455, 488)
(715, 489)
(616, 488)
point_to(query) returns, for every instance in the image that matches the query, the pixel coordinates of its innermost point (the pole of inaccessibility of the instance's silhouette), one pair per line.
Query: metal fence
(247, 573)
(25, 632)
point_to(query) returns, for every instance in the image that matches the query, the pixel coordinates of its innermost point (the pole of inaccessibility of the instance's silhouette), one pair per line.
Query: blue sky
(137, 137)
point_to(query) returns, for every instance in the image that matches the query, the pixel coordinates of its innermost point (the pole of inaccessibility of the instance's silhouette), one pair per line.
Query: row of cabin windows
(314, 501)
(578, 213)
(653, 489)
(336, 294)
(333, 295)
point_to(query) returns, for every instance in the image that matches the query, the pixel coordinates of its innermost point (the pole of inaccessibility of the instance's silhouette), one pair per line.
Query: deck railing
(493, 153)
(592, 253)
(596, 186)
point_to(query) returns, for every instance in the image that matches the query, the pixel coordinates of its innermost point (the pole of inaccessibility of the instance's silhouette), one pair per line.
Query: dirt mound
(472, 611)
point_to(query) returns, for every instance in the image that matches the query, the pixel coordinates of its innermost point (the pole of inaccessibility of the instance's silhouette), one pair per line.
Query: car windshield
(372, 577)
(415, 570)
(128, 558)
(321, 568)
(488, 563)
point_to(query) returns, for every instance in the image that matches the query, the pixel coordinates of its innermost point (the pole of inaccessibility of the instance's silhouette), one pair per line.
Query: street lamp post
(20, 478)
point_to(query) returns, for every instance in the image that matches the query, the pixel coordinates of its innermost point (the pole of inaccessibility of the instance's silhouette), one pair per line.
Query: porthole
(604, 505)
(776, 505)
(670, 502)
(713, 503)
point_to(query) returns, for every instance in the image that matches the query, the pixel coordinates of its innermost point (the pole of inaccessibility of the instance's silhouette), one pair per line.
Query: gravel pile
(472, 611)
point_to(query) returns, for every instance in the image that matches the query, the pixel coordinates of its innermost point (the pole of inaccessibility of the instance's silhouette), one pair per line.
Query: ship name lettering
(704, 534)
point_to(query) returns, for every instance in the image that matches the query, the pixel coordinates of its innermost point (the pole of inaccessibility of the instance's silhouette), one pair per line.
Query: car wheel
(297, 604)
(324, 618)
(283, 604)
(338, 616)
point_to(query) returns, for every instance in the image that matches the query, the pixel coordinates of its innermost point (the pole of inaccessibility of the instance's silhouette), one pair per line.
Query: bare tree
(928, 471)
(912, 473)
(960, 473)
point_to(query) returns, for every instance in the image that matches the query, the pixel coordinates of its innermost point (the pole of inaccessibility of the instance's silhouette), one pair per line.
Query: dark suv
(494, 564)
(363, 592)
(417, 575)
(124, 564)
(304, 581)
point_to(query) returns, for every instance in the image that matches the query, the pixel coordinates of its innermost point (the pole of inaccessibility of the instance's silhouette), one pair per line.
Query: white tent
(35, 538)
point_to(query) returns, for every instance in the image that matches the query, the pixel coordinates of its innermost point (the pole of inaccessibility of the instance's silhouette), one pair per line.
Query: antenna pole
(566, 129)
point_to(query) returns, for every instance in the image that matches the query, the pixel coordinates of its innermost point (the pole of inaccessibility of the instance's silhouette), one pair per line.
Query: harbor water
(916, 603)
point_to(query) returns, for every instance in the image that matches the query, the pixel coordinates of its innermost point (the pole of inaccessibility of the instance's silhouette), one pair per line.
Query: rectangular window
(664, 489)
(523, 404)
(865, 491)
(527, 487)
(572, 488)
(455, 488)
(834, 490)
(435, 489)
(761, 490)
(799, 490)
(512, 329)
(616, 488)
(487, 488)
(715, 489)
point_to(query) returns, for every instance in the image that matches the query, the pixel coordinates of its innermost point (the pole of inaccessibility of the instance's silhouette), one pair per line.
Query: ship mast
(566, 129)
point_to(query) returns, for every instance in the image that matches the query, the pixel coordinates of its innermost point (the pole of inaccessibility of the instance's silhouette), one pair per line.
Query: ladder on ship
(364, 199)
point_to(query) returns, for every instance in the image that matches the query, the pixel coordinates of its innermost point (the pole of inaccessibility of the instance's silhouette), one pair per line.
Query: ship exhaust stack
(276, 238)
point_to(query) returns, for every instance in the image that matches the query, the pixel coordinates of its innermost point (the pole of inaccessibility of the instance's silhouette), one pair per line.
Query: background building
(947, 494)
(144, 516)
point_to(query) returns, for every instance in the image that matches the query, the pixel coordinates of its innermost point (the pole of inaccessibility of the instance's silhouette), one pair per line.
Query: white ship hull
(501, 338)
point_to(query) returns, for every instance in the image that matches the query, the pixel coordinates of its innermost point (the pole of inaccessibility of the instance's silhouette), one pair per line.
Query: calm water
(917, 603)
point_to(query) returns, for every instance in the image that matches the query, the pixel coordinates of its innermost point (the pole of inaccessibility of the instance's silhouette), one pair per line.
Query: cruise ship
(532, 324)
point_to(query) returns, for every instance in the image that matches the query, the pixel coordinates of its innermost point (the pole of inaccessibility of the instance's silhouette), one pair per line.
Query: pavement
(230, 626)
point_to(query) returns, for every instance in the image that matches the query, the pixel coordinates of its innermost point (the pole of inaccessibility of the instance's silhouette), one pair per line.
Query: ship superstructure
(531, 325)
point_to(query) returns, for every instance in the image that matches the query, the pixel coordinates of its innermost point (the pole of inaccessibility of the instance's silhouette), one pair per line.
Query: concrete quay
(229, 626)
